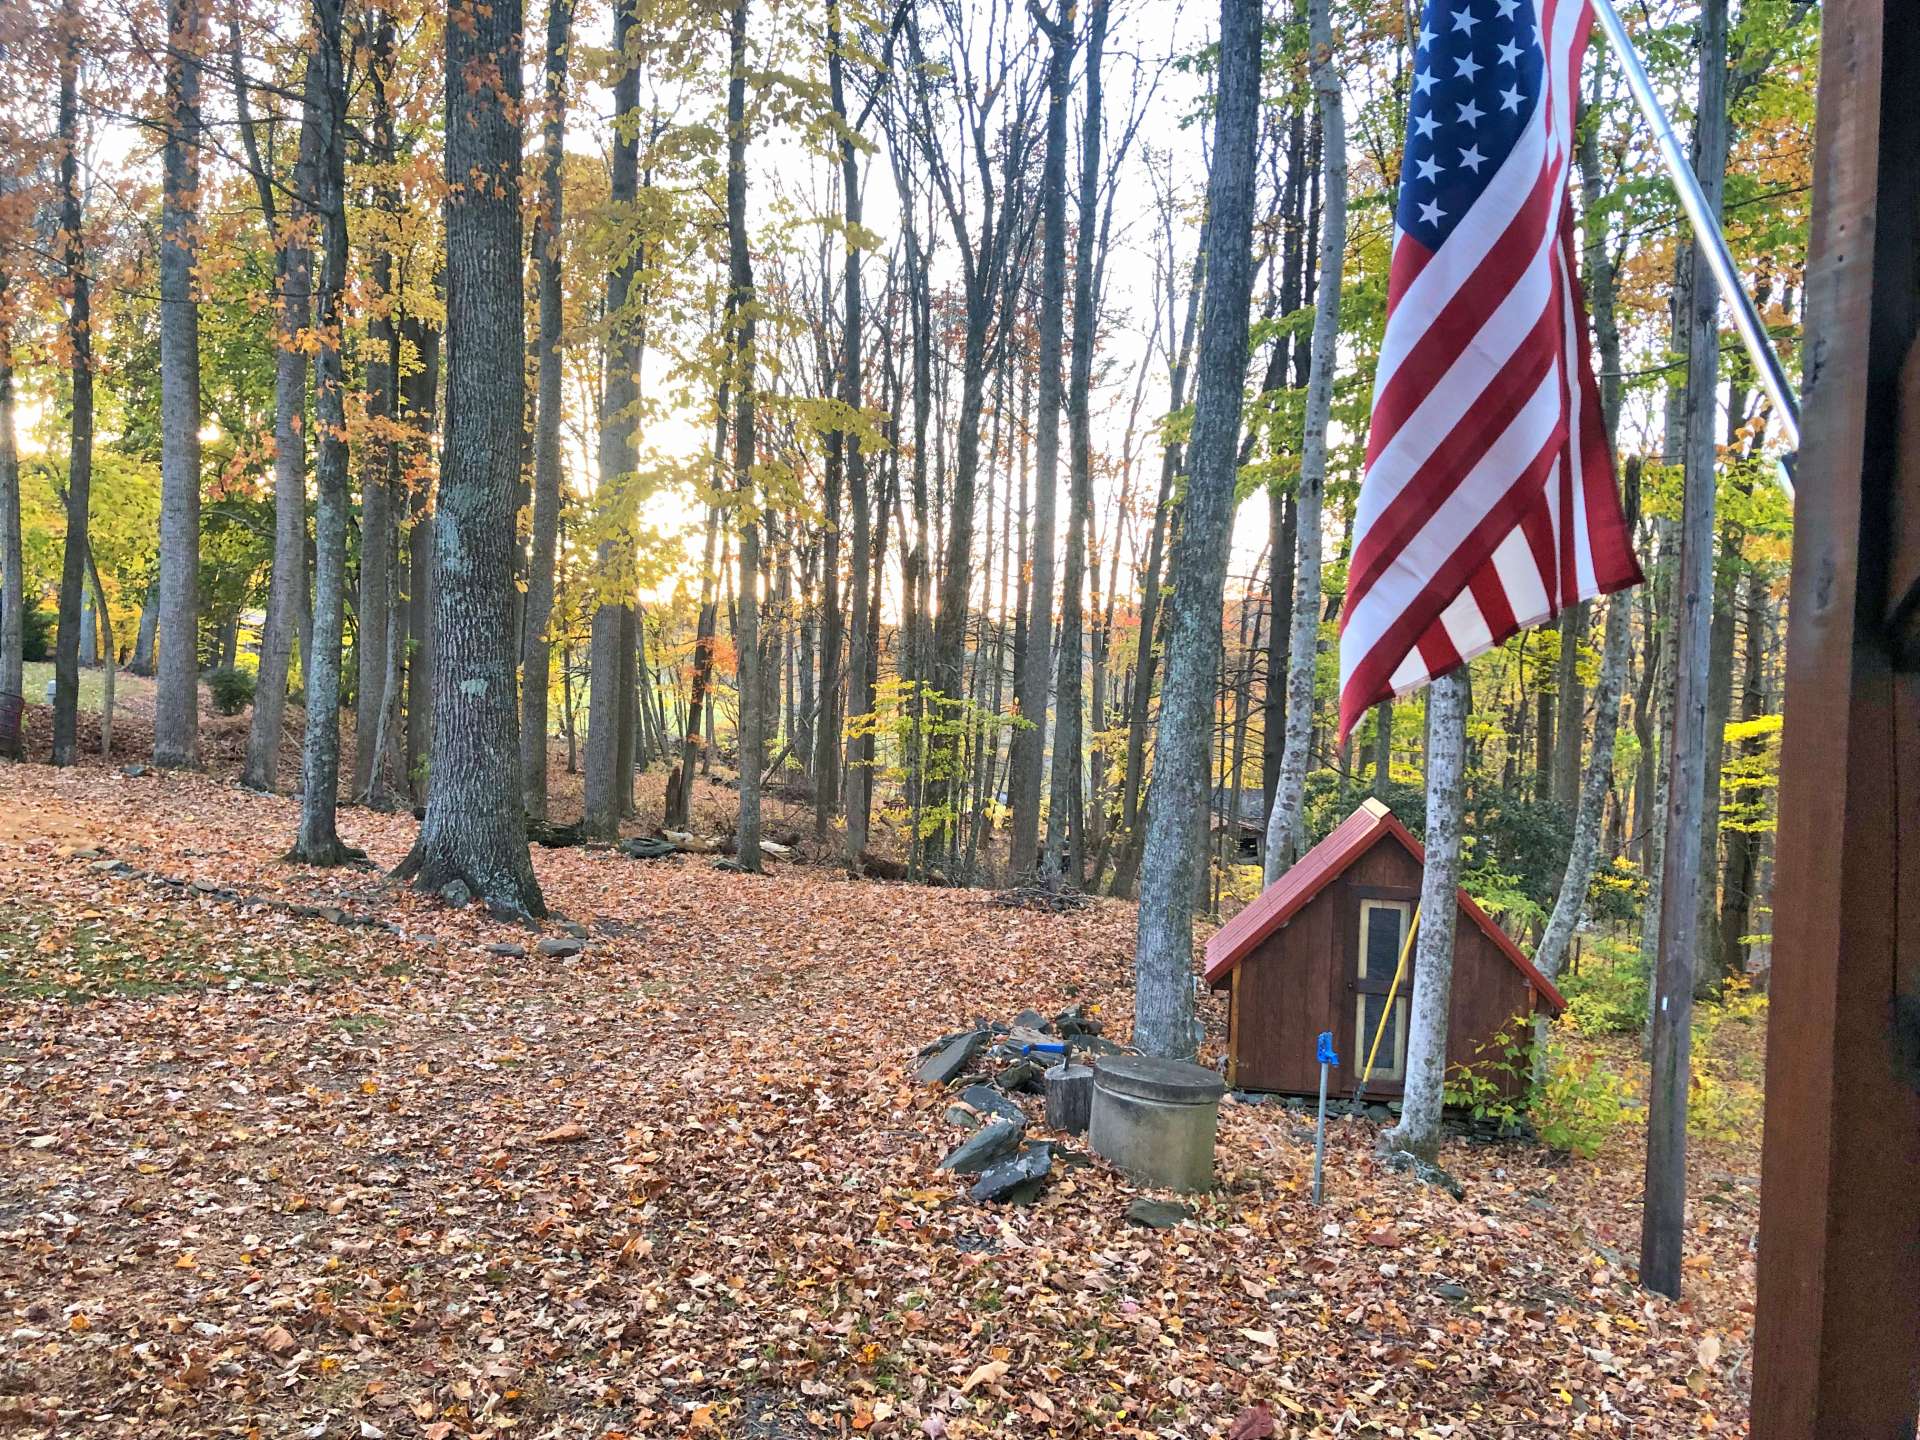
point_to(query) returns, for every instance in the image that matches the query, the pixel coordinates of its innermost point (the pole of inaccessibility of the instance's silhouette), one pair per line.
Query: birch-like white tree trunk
(1284, 821)
(1551, 953)
(1419, 1129)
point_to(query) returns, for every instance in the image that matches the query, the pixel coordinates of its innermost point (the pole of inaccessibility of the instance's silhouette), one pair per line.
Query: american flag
(1489, 500)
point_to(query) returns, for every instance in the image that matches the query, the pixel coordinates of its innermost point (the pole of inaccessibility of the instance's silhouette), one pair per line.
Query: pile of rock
(988, 1067)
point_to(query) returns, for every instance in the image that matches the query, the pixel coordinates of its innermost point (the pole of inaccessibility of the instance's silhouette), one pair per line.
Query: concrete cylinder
(1155, 1119)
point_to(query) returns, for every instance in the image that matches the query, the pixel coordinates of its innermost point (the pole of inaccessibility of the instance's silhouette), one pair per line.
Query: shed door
(1383, 933)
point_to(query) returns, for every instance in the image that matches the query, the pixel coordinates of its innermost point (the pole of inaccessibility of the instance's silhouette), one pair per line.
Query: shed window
(1383, 931)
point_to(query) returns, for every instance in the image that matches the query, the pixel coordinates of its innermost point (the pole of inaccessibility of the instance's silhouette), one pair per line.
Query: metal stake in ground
(1328, 1059)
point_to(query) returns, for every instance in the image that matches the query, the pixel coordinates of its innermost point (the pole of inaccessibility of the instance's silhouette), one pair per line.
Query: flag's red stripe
(1447, 468)
(1372, 678)
(1464, 316)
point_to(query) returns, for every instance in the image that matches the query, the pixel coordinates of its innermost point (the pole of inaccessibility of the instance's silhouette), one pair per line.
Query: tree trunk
(293, 267)
(546, 525)
(379, 638)
(1664, 1216)
(1177, 809)
(1286, 822)
(12, 568)
(606, 701)
(66, 655)
(176, 695)
(1551, 953)
(1029, 764)
(1127, 869)
(1743, 844)
(107, 656)
(1419, 1129)
(1066, 818)
(319, 841)
(420, 392)
(473, 829)
(740, 327)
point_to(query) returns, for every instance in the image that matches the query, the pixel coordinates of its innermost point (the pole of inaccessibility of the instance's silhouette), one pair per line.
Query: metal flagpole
(1706, 230)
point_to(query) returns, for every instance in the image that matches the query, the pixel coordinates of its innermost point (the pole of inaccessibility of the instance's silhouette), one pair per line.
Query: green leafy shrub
(231, 689)
(1578, 1102)
(1608, 994)
(1574, 1104)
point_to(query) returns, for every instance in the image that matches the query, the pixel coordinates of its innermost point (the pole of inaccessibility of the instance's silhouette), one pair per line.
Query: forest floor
(272, 1173)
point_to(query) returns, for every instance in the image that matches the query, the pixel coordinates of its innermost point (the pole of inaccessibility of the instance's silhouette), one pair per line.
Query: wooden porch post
(1837, 1346)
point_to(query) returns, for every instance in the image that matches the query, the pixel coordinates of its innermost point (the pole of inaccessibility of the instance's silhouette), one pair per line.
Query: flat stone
(456, 894)
(561, 947)
(506, 951)
(951, 1061)
(1016, 1181)
(981, 1151)
(577, 931)
(1157, 1214)
(1450, 1291)
(989, 1101)
(1021, 1075)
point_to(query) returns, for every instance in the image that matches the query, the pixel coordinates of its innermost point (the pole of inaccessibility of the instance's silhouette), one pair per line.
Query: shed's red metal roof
(1349, 840)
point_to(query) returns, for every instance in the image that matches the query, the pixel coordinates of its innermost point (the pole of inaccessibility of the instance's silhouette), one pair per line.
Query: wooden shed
(1317, 951)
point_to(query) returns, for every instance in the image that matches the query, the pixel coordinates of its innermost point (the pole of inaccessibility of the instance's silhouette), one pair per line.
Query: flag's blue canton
(1477, 79)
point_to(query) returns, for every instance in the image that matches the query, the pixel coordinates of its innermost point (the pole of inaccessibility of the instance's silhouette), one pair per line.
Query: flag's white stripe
(1466, 627)
(1411, 673)
(1544, 140)
(1585, 579)
(1475, 371)
(1519, 574)
(1413, 568)
(1453, 264)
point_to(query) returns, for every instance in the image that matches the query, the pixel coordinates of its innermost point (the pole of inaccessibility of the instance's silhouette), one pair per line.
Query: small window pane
(1381, 935)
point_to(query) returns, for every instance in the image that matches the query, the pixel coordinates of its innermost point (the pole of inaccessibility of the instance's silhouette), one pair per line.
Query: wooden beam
(1837, 1344)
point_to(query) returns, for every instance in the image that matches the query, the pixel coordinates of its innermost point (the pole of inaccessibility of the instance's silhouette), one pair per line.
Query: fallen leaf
(1253, 1423)
(563, 1134)
(987, 1374)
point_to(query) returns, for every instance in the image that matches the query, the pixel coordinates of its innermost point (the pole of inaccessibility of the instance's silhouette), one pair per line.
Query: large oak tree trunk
(474, 830)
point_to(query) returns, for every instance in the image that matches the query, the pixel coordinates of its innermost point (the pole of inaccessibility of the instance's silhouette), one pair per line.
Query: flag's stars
(1466, 67)
(1506, 8)
(1426, 36)
(1510, 54)
(1510, 100)
(1472, 158)
(1464, 20)
(1431, 213)
(1422, 81)
(1426, 125)
(1470, 113)
(1429, 168)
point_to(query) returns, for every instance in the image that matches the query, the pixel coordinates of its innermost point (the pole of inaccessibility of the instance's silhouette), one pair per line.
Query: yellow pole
(1393, 990)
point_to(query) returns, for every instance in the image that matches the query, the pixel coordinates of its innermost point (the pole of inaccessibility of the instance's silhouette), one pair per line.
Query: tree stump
(1069, 1097)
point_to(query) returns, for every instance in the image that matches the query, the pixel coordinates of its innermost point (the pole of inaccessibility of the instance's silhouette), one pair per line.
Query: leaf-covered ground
(266, 1174)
